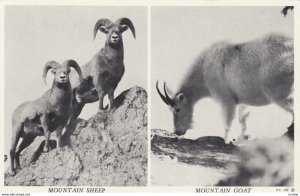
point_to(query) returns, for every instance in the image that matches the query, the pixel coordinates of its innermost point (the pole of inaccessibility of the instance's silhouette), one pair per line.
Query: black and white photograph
(222, 81)
(75, 96)
(140, 97)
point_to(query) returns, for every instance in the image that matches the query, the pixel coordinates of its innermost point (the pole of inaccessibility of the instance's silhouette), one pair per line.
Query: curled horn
(101, 22)
(74, 64)
(49, 65)
(127, 22)
(169, 100)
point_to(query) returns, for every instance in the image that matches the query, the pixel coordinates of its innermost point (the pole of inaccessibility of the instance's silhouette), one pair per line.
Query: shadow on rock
(265, 163)
(255, 163)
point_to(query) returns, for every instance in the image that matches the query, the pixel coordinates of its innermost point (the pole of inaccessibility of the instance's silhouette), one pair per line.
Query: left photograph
(75, 96)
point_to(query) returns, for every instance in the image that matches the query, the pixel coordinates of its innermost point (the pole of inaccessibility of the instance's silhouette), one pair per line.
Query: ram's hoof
(111, 107)
(78, 98)
(46, 149)
(12, 173)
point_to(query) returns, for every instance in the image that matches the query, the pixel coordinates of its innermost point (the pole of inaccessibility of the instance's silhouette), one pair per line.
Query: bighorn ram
(254, 73)
(46, 114)
(105, 70)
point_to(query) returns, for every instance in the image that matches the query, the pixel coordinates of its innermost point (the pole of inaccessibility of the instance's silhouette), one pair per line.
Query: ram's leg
(47, 138)
(99, 81)
(58, 136)
(45, 123)
(243, 116)
(84, 87)
(14, 142)
(228, 110)
(101, 95)
(90, 97)
(70, 127)
(111, 98)
(27, 140)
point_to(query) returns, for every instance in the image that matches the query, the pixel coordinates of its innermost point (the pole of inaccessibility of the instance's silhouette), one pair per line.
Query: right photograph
(222, 105)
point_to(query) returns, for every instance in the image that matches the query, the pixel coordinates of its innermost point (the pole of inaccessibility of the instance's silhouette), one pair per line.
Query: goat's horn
(169, 100)
(101, 22)
(49, 65)
(127, 22)
(160, 94)
(74, 64)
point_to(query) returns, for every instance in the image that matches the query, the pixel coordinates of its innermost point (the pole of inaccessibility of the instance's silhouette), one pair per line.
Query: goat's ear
(181, 97)
(169, 91)
(103, 29)
(124, 28)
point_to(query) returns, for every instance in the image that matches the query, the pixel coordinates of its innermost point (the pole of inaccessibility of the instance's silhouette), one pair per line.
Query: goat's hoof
(227, 141)
(18, 167)
(230, 142)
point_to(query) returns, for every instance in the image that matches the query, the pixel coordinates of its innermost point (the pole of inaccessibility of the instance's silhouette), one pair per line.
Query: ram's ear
(102, 25)
(124, 28)
(103, 29)
(50, 65)
(126, 22)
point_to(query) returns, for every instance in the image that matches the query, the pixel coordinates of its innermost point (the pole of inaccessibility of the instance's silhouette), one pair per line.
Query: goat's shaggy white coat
(255, 73)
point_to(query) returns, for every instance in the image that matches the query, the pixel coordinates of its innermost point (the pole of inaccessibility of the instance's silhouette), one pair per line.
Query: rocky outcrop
(109, 149)
(208, 161)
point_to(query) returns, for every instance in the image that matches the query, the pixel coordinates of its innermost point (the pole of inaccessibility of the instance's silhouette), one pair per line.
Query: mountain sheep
(44, 115)
(104, 71)
(255, 73)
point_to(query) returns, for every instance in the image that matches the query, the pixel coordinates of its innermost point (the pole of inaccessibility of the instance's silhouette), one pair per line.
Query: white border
(149, 3)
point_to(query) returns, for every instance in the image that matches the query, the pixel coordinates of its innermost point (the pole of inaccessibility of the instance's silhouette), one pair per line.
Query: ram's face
(181, 108)
(114, 33)
(61, 74)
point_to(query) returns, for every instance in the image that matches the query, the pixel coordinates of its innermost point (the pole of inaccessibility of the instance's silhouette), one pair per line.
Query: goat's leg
(111, 98)
(243, 115)
(287, 105)
(228, 110)
(27, 140)
(14, 142)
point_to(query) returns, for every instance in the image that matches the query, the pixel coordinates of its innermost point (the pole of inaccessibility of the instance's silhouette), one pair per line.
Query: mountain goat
(102, 74)
(46, 114)
(255, 73)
